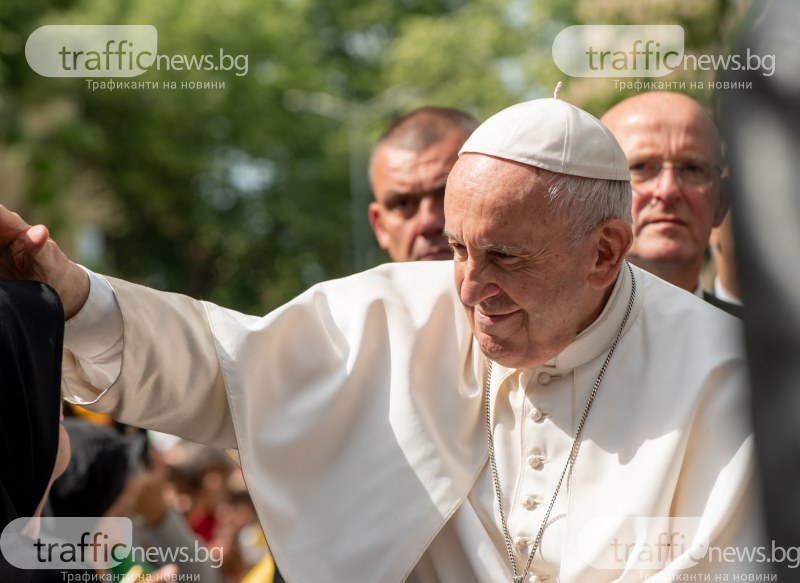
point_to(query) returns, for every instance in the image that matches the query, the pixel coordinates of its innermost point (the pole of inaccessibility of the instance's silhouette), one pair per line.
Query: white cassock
(358, 412)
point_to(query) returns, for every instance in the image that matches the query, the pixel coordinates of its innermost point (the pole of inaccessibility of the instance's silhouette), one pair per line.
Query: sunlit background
(247, 194)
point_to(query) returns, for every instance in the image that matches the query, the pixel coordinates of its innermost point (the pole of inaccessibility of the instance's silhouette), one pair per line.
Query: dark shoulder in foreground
(732, 309)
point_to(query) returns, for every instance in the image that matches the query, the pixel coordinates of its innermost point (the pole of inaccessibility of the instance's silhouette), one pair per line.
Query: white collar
(723, 294)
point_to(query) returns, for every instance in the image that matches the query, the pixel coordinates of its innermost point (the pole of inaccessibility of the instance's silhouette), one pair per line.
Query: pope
(556, 415)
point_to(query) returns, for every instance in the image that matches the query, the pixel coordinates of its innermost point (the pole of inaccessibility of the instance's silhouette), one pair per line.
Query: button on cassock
(529, 502)
(535, 461)
(521, 542)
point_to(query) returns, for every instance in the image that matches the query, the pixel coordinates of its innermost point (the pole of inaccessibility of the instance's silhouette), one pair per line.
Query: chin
(665, 252)
(501, 354)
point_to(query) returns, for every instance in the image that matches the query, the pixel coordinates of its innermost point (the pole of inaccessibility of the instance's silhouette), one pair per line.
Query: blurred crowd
(176, 492)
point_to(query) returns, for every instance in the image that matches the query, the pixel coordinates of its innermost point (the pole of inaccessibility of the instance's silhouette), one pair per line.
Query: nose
(475, 283)
(431, 216)
(666, 187)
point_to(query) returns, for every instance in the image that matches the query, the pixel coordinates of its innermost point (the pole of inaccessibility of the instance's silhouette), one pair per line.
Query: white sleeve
(94, 335)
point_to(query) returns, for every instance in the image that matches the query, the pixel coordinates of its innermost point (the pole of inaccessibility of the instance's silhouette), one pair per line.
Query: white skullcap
(554, 135)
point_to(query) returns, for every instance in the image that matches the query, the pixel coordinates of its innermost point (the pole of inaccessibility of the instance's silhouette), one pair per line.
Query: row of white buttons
(535, 461)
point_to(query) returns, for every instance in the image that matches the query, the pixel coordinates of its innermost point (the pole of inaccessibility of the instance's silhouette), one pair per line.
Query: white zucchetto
(554, 135)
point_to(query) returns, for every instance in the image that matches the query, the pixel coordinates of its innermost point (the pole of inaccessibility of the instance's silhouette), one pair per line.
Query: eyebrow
(505, 249)
(437, 187)
(492, 247)
(697, 158)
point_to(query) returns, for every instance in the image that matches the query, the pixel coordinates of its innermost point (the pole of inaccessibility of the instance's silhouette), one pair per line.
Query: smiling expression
(522, 284)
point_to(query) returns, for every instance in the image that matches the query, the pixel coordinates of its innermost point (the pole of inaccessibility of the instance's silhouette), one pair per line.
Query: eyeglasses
(689, 174)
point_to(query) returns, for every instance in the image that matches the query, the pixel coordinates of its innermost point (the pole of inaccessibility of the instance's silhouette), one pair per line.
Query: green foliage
(231, 194)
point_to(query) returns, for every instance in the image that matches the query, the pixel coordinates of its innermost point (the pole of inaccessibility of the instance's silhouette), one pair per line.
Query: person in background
(34, 447)
(118, 475)
(207, 487)
(408, 171)
(674, 155)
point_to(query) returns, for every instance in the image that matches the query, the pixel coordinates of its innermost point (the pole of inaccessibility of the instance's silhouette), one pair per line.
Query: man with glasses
(673, 152)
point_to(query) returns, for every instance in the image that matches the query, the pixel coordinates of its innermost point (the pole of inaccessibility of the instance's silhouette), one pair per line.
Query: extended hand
(28, 252)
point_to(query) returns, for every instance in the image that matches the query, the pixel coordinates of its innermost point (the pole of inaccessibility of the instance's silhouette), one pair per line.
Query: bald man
(408, 172)
(673, 151)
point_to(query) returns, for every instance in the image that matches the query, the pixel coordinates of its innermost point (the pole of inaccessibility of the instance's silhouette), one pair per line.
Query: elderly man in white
(557, 415)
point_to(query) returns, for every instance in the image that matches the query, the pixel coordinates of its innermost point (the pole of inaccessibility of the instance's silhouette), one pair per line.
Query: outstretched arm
(28, 252)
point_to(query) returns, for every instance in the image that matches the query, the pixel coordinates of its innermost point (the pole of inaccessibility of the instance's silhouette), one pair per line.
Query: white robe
(357, 410)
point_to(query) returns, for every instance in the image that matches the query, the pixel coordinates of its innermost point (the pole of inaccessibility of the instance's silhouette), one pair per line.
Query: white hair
(586, 202)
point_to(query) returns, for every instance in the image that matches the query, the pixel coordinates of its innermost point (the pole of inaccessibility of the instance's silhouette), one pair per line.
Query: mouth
(492, 319)
(665, 221)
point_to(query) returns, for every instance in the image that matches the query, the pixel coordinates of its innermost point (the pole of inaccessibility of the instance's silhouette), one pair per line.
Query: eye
(501, 257)
(643, 169)
(459, 250)
(695, 174)
(403, 205)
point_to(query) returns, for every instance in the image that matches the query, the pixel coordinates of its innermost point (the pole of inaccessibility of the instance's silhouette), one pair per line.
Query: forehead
(409, 170)
(490, 200)
(668, 132)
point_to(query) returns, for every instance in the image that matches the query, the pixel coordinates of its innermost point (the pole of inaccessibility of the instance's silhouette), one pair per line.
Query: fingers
(36, 236)
(26, 248)
(17, 240)
(11, 224)
(28, 252)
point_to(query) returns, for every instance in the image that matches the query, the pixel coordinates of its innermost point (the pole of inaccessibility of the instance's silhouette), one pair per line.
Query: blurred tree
(224, 193)
(228, 195)
(708, 26)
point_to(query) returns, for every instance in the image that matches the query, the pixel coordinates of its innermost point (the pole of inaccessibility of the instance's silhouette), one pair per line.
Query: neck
(683, 275)
(599, 306)
(729, 282)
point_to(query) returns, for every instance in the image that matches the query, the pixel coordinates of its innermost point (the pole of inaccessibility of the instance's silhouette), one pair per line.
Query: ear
(613, 239)
(723, 201)
(376, 221)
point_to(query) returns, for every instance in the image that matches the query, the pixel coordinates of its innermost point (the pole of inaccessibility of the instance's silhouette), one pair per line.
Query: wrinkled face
(522, 284)
(671, 219)
(408, 213)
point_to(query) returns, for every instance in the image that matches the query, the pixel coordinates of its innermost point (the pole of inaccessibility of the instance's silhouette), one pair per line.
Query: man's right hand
(28, 252)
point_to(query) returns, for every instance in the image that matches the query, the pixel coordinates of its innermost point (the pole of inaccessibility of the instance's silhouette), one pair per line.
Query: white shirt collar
(724, 294)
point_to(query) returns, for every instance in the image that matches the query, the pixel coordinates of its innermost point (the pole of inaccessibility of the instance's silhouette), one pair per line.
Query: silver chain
(573, 454)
